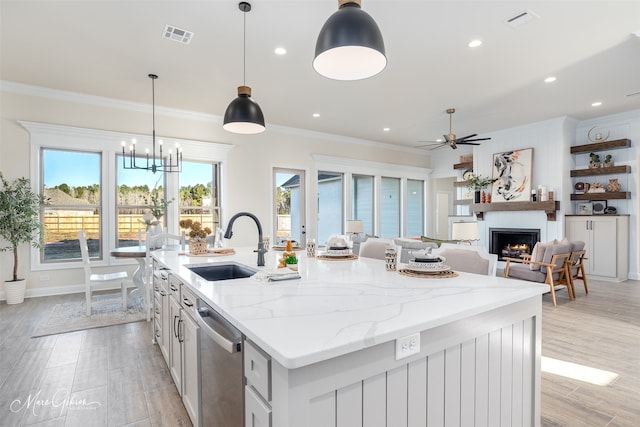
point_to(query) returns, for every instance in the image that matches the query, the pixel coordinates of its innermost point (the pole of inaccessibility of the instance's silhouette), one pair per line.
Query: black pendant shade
(243, 115)
(350, 45)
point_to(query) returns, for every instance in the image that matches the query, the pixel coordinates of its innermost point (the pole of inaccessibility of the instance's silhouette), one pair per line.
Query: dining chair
(468, 258)
(93, 282)
(374, 248)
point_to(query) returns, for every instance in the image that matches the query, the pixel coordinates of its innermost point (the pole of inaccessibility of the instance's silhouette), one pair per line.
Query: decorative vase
(608, 164)
(197, 247)
(153, 231)
(476, 196)
(594, 165)
(488, 197)
(613, 185)
(15, 290)
(483, 197)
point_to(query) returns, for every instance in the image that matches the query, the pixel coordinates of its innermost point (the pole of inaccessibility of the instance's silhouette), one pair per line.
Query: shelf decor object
(244, 115)
(350, 44)
(158, 164)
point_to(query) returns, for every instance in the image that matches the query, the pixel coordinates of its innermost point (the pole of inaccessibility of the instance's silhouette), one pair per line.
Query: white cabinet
(184, 347)
(257, 394)
(606, 240)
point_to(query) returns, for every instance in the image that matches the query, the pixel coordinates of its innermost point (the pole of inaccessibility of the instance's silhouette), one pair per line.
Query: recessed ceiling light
(596, 104)
(280, 51)
(475, 43)
(316, 114)
(386, 129)
(550, 79)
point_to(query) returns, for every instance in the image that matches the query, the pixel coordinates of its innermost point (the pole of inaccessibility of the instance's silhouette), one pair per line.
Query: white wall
(552, 161)
(247, 174)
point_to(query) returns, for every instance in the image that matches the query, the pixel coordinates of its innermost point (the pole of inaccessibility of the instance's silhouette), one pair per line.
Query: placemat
(428, 275)
(333, 258)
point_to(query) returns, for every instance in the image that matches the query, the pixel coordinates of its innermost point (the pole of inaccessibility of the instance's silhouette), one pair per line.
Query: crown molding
(100, 101)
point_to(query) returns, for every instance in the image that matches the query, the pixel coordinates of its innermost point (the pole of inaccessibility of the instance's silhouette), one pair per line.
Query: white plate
(429, 270)
(332, 255)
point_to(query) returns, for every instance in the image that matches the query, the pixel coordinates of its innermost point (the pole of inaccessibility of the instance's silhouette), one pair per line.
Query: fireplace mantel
(549, 207)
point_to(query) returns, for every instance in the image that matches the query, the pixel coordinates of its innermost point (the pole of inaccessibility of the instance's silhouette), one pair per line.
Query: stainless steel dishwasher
(221, 376)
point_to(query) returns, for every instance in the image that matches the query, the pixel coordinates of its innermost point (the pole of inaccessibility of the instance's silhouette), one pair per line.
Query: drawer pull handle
(187, 302)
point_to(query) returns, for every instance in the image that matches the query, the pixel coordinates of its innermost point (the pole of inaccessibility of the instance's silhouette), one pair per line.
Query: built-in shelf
(463, 165)
(607, 195)
(601, 146)
(612, 170)
(549, 207)
(463, 202)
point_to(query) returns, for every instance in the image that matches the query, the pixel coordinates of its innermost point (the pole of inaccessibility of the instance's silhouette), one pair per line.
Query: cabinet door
(175, 352)
(580, 229)
(190, 368)
(604, 254)
(167, 328)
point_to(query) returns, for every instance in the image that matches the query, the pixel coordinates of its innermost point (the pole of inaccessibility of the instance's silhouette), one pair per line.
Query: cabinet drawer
(174, 287)
(256, 412)
(257, 370)
(188, 302)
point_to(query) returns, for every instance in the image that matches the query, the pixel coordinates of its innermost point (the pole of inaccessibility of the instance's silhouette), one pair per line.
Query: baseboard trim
(53, 290)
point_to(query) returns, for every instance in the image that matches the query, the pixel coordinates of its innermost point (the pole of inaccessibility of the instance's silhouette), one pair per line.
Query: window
(415, 207)
(362, 201)
(199, 194)
(135, 188)
(329, 205)
(90, 190)
(389, 207)
(75, 203)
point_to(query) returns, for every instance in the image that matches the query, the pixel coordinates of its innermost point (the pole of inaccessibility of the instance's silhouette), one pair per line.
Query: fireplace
(512, 242)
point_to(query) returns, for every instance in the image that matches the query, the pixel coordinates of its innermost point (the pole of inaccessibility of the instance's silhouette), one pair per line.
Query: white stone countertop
(339, 307)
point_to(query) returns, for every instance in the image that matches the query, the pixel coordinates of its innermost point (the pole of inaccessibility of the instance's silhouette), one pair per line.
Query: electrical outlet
(407, 346)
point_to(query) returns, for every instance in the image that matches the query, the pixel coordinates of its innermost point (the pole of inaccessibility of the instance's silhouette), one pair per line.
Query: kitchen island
(336, 343)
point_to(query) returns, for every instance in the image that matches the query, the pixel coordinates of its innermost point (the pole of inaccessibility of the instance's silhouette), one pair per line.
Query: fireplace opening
(512, 242)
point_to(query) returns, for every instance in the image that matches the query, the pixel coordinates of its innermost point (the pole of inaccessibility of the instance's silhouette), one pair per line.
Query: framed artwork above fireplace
(512, 172)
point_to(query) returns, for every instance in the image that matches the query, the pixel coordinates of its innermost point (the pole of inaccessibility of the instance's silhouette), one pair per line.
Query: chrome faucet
(261, 250)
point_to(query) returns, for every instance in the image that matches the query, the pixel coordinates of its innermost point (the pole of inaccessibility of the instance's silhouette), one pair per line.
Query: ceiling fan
(451, 139)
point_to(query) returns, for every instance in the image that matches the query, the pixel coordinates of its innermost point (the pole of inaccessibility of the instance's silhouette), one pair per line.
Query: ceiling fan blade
(467, 143)
(446, 138)
(477, 139)
(429, 144)
(466, 137)
(442, 144)
(453, 145)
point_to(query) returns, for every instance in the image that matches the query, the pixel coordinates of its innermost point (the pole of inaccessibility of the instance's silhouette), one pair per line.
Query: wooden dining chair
(94, 281)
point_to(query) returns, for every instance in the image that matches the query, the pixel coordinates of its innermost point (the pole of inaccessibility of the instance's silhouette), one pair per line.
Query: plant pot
(293, 267)
(198, 247)
(14, 291)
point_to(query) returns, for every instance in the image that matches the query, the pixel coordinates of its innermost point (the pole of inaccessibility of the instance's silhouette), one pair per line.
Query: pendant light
(153, 164)
(243, 115)
(350, 44)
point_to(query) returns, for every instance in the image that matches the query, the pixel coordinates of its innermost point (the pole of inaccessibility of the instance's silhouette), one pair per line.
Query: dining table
(139, 253)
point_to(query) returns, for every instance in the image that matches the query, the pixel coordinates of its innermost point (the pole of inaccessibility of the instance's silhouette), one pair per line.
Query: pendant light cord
(244, 48)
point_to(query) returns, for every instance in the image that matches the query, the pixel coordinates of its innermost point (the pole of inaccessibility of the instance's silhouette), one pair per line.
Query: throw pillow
(537, 254)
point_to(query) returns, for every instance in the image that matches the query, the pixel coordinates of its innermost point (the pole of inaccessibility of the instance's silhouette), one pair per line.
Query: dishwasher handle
(232, 346)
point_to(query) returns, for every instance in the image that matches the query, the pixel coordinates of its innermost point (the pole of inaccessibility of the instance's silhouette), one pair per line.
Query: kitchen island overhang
(336, 328)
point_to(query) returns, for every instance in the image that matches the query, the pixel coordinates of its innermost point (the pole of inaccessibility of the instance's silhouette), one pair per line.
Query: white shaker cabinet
(606, 240)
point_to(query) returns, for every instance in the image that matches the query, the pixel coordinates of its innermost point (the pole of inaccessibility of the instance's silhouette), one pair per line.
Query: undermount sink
(222, 271)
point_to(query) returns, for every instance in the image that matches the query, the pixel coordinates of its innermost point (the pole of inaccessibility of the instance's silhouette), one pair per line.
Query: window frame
(108, 143)
(350, 167)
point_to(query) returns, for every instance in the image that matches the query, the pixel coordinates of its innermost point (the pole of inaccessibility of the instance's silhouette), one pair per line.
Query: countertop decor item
(20, 209)
(244, 115)
(197, 236)
(350, 45)
(162, 163)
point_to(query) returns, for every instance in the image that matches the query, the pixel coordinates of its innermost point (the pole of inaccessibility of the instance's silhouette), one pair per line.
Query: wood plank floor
(114, 376)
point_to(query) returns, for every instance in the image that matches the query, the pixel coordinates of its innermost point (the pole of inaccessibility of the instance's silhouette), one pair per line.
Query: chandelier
(170, 163)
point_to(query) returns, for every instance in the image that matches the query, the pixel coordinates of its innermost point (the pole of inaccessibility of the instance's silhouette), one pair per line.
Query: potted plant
(594, 160)
(197, 236)
(20, 223)
(292, 262)
(477, 183)
(608, 161)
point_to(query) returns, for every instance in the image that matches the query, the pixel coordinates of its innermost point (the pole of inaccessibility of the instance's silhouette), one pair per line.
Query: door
(603, 255)
(289, 205)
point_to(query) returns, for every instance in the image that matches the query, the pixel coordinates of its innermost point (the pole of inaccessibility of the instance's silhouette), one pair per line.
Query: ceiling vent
(520, 19)
(177, 34)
